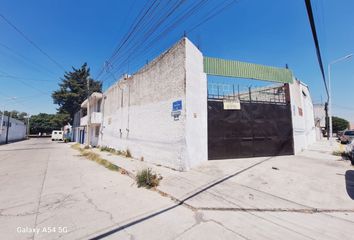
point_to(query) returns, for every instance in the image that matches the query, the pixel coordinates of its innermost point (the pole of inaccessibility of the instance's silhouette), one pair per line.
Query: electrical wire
(178, 20)
(25, 59)
(317, 45)
(32, 42)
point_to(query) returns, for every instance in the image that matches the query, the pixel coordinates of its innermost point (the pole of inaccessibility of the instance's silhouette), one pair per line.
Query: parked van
(57, 135)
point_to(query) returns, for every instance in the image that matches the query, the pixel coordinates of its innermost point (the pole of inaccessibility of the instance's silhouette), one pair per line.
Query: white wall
(303, 124)
(196, 108)
(137, 110)
(17, 131)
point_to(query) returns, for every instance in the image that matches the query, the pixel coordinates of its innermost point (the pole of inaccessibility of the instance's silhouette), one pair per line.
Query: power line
(24, 83)
(155, 26)
(27, 60)
(213, 13)
(32, 42)
(317, 45)
(173, 24)
(133, 27)
(25, 78)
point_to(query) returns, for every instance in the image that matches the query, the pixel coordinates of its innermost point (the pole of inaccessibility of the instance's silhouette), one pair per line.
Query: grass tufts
(116, 152)
(96, 158)
(108, 149)
(148, 179)
(128, 154)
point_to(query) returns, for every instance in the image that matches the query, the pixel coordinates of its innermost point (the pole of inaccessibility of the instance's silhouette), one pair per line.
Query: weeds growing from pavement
(341, 154)
(148, 179)
(96, 158)
(128, 154)
(116, 152)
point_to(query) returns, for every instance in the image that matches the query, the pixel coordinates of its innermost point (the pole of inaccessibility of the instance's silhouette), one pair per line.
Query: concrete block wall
(196, 107)
(304, 131)
(137, 110)
(17, 131)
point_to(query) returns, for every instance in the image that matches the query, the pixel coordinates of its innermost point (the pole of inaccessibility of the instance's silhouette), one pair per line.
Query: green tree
(73, 90)
(46, 123)
(16, 114)
(339, 124)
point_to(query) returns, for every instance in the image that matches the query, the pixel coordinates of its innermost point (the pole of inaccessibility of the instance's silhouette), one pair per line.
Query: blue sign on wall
(177, 105)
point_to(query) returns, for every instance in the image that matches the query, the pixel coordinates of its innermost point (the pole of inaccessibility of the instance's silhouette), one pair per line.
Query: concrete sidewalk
(46, 185)
(311, 181)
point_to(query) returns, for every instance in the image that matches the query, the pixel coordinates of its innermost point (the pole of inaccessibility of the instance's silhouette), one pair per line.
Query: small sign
(232, 104)
(177, 105)
(175, 115)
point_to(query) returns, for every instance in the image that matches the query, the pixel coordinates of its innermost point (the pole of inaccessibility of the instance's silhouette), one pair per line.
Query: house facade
(90, 120)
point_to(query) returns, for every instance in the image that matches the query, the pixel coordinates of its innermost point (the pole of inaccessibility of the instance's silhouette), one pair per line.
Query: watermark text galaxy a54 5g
(38, 230)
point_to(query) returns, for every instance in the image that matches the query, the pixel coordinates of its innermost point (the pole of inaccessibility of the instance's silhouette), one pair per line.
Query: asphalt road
(47, 191)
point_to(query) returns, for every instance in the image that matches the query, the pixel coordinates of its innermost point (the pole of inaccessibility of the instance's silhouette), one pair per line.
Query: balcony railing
(96, 118)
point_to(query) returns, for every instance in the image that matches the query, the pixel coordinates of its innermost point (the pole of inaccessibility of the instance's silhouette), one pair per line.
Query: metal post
(330, 94)
(238, 91)
(2, 120)
(330, 104)
(88, 112)
(327, 119)
(28, 127)
(249, 93)
(7, 128)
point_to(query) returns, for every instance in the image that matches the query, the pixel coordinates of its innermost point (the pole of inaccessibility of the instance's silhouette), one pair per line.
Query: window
(4, 124)
(97, 131)
(349, 133)
(99, 105)
(121, 101)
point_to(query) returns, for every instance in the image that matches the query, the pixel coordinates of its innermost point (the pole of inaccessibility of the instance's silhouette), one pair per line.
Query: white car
(57, 135)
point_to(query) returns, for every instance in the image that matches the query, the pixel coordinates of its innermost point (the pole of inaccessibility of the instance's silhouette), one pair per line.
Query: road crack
(90, 201)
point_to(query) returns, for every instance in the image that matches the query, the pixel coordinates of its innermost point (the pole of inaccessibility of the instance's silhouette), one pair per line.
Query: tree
(73, 90)
(339, 124)
(46, 123)
(16, 114)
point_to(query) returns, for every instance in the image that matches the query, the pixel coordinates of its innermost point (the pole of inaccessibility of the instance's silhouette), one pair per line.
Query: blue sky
(272, 32)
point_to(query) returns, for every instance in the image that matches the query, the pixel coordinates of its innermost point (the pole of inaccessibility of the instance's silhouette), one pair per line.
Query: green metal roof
(229, 68)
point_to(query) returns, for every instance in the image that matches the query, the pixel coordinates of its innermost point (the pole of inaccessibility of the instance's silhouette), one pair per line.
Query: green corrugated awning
(237, 69)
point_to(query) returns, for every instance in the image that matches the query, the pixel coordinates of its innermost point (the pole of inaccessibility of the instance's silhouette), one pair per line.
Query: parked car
(349, 150)
(57, 135)
(347, 136)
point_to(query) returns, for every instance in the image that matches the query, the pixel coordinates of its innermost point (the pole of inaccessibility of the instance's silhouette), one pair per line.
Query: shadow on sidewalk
(180, 202)
(349, 183)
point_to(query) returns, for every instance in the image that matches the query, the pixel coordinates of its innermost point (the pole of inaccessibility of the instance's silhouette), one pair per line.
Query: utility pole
(327, 119)
(2, 120)
(330, 94)
(7, 128)
(88, 111)
(8, 121)
(28, 127)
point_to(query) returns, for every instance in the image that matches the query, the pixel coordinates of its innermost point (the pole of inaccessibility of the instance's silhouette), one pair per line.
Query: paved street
(46, 186)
